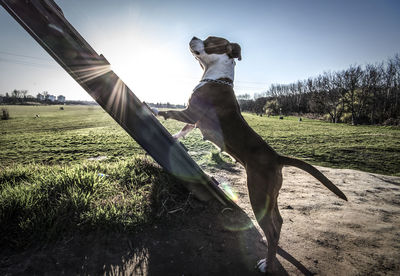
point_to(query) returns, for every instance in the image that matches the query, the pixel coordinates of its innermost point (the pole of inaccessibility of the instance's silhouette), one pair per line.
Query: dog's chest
(212, 132)
(217, 103)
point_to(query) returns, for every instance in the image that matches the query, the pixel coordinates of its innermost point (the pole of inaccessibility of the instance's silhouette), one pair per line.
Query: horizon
(281, 43)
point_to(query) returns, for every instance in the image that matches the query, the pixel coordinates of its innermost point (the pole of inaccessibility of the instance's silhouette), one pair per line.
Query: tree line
(367, 94)
(21, 97)
(16, 96)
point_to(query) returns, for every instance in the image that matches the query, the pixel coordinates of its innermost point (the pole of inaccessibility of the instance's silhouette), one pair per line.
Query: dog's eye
(196, 53)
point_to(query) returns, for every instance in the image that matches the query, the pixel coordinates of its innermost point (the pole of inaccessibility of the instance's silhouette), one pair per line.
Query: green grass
(62, 136)
(368, 148)
(73, 135)
(42, 203)
(77, 133)
(49, 187)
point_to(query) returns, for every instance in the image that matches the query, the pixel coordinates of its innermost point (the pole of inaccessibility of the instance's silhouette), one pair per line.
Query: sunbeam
(117, 100)
(87, 73)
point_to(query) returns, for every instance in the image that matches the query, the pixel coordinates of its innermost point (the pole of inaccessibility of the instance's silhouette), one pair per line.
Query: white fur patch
(215, 66)
(221, 67)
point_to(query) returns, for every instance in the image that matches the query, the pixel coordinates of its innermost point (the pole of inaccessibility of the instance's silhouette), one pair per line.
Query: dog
(213, 108)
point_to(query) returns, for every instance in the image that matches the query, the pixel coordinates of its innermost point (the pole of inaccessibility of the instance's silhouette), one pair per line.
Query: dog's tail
(284, 160)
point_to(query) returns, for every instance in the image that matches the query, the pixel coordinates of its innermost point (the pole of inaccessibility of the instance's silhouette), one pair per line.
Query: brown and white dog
(213, 109)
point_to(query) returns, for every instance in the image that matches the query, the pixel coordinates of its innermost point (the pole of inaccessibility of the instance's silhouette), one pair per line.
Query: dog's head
(214, 49)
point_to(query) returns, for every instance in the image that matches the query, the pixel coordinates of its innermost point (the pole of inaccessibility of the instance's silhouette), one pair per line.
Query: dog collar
(220, 81)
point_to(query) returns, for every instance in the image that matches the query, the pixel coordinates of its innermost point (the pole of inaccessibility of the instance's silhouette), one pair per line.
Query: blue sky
(146, 42)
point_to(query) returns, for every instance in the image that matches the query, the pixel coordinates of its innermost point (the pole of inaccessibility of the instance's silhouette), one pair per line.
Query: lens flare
(87, 73)
(229, 192)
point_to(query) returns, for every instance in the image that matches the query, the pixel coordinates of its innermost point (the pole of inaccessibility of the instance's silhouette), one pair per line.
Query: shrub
(346, 118)
(392, 122)
(272, 107)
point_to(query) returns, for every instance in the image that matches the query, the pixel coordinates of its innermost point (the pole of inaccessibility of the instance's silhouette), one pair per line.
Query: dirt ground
(321, 235)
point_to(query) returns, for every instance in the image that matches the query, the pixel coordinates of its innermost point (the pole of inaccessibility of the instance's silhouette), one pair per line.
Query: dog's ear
(236, 51)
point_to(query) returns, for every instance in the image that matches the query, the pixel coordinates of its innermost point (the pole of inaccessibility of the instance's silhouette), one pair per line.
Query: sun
(154, 72)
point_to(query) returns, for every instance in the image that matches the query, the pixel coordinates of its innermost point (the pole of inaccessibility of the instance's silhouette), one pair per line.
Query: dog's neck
(220, 70)
(224, 71)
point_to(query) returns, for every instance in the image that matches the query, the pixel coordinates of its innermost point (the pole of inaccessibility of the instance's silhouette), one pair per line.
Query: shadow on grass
(205, 242)
(218, 161)
(181, 236)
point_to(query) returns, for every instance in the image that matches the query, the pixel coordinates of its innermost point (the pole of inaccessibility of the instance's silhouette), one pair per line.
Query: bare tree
(326, 95)
(24, 93)
(352, 78)
(370, 87)
(394, 97)
(16, 94)
(243, 97)
(369, 94)
(45, 94)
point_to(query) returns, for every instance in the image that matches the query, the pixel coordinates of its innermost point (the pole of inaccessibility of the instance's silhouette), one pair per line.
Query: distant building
(40, 97)
(51, 98)
(61, 99)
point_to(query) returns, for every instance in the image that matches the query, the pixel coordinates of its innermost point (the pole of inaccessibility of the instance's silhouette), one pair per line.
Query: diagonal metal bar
(46, 23)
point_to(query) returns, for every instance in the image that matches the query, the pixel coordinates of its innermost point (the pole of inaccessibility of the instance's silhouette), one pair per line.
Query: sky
(146, 43)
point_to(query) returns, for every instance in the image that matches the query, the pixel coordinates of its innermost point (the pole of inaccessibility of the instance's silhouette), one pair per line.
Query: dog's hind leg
(263, 193)
(271, 225)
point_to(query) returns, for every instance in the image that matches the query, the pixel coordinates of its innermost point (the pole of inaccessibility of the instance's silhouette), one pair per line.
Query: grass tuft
(51, 201)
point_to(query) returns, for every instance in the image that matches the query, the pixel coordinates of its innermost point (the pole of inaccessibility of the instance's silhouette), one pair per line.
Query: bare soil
(321, 235)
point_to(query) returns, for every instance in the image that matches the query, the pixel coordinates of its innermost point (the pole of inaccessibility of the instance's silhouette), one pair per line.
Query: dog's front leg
(191, 115)
(184, 131)
(186, 116)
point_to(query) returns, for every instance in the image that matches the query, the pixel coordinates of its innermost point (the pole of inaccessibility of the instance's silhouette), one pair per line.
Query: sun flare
(155, 73)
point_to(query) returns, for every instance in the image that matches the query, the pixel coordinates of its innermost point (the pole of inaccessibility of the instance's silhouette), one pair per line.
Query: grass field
(77, 133)
(49, 185)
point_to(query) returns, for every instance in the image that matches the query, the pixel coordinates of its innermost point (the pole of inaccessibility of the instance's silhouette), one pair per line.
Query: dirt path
(332, 237)
(321, 234)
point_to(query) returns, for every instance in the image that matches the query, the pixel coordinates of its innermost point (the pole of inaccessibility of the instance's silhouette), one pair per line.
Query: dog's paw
(262, 265)
(177, 136)
(163, 114)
